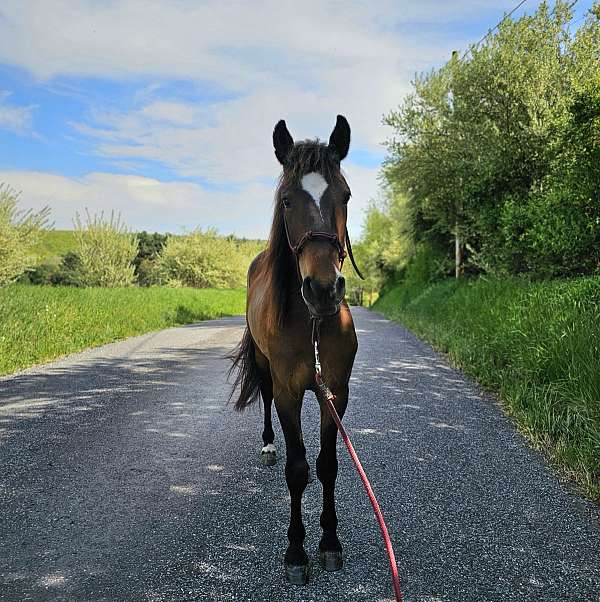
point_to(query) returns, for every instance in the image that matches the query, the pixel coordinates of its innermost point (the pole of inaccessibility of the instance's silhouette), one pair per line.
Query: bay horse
(295, 281)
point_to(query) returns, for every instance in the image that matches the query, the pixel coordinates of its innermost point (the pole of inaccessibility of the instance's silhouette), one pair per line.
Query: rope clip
(317, 360)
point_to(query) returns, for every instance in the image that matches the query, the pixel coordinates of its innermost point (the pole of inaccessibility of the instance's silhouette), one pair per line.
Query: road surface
(125, 476)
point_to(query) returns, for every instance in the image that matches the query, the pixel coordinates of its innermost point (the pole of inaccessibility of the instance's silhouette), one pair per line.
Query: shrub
(426, 265)
(201, 260)
(41, 274)
(149, 248)
(19, 231)
(549, 233)
(107, 250)
(69, 272)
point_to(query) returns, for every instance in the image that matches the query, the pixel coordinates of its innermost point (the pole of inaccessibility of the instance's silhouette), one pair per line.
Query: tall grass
(538, 344)
(39, 323)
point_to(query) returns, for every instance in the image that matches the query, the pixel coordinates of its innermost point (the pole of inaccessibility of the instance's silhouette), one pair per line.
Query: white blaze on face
(316, 185)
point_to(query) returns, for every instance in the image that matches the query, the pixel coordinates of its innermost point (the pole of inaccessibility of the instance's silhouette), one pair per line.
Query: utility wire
(473, 46)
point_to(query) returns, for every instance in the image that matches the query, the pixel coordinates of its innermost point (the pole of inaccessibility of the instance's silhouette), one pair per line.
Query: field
(537, 344)
(52, 244)
(39, 323)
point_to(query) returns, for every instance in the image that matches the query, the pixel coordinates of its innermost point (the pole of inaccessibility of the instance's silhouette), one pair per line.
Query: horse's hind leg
(268, 454)
(296, 475)
(330, 548)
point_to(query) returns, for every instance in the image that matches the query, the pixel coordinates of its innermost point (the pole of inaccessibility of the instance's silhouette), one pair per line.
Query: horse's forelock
(310, 156)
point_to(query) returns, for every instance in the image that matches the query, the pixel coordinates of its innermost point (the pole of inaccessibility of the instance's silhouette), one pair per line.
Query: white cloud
(270, 60)
(363, 184)
(13, 118)
(304, 62)
(232, 145)
(211, 40)
(145, 203)
(149, 204)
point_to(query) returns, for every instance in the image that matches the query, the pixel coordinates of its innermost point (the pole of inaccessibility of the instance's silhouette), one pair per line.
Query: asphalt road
(124, 476)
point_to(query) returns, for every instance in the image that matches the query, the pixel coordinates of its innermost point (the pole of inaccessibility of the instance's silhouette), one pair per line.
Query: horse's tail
(247, 378)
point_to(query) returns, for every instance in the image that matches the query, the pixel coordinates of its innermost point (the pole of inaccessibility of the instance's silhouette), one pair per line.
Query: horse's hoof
(297, 574)
(331, 560)
(268, 458)
(268, 455)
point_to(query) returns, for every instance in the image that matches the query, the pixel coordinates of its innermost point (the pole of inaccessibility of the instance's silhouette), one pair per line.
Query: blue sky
(164, 110)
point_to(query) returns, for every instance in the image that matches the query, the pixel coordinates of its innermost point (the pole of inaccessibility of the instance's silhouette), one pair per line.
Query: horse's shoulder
(254, 264)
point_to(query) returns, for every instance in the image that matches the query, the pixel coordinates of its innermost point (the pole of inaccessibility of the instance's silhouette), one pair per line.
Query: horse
(294, 285)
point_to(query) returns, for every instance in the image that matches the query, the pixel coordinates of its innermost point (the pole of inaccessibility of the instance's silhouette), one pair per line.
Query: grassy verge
(39, 323)
(538, 344)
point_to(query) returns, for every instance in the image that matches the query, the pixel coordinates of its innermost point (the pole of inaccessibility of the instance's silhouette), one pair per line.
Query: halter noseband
(326, 236)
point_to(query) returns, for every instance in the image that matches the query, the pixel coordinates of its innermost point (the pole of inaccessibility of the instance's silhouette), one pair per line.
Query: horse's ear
(340, 137)
(282, 141)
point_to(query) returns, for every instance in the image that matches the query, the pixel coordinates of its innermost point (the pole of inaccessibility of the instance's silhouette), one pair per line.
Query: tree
(149, 248)
(201, 260)
(19, 231)
(106, 249)
(480, 147)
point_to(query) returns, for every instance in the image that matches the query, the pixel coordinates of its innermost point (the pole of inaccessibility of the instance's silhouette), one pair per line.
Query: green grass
(39, 323)
(52, 244)
(537, 344)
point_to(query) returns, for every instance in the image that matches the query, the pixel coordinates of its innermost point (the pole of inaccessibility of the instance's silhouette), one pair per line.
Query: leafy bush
(40, 275)
(69, 272)
(149, 248)
(202, 260)
(548, 233)
(106, 249)
(426, 265)
(19, 231)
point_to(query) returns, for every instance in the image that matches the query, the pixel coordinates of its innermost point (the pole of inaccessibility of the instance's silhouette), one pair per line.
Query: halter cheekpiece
(327, 237)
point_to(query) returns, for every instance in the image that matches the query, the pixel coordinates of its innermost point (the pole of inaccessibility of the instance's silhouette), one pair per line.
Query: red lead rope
(328, 397)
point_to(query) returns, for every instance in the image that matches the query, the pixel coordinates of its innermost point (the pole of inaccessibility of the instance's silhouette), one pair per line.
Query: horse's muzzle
(323, 299)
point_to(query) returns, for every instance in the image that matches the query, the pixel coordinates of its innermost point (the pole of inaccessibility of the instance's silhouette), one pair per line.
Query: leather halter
(327, 237)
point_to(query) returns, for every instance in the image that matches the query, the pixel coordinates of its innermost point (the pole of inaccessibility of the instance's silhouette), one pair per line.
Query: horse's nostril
(308, 289)
(319, 294)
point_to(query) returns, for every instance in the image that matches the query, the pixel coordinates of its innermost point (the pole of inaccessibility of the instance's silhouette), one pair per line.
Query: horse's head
(313, 197)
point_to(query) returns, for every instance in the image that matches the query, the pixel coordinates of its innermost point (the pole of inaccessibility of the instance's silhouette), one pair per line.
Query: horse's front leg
(296, 474)
(330, 548)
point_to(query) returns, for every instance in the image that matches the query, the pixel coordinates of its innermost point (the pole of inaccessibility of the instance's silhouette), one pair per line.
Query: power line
(473, 46)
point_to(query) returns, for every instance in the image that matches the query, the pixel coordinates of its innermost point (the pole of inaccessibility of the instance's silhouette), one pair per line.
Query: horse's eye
(286, 201)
